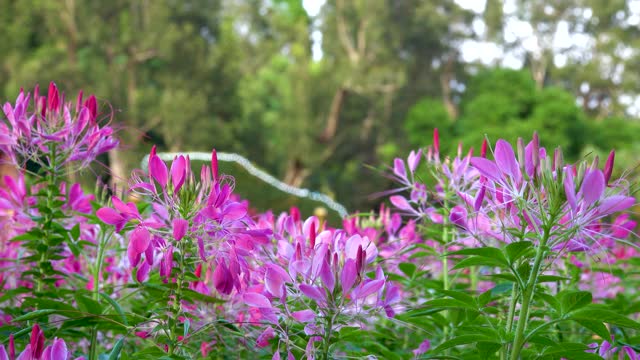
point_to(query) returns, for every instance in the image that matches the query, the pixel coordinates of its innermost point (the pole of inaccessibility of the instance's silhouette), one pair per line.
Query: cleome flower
(53, 133)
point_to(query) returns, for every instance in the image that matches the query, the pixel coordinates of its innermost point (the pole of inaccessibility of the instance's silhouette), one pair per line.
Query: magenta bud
(458, 216)
(483, 149)
(360, 260)
(608, 166)
(436, 141)
(477, 204)
(214, 165)
(312, 235)
(12, 347)
(558, 159)
(53, 97)
(79, 101)
(92, 105)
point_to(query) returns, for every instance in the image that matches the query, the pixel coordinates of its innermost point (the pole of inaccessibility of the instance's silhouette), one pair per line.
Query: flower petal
(256, 300)
(592, 187)
(506, 160)
(179, 228)
(140, 239)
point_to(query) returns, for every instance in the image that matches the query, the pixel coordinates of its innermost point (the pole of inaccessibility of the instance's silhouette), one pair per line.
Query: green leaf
(597, 327)
(150, 351)
(574, 300)
(88, 305)
(487, 349)
(115, 352)
(485, 252)
(348, 332)
(551, 278)
(596, 313)
(484, 298)
(518, 249)
(503, 276)
(462, 340)
(552, 301)
(501, 289)
(542, 340)
(408, 268)
(187, 324)
(75, 232)
(194, 295)
(568, 351)
(35, 315)
(461, 296)
(449, 304)
(478, 261)
(116, 307)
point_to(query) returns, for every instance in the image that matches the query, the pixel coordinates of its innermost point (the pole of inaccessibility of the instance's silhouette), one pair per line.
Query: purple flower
(71, 134)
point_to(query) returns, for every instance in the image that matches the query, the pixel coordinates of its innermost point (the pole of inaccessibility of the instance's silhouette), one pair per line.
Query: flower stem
(177, 297)
(93, 351)
(327, 337)
(445, 274)
(527, 296)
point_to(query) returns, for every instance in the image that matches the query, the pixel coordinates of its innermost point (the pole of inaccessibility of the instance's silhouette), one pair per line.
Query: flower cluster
(36, 350)
(321, 279)
(202, 213)
(53, 133)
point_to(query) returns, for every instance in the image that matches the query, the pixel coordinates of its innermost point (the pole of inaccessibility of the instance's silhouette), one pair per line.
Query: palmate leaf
(478, 261)
(568, 351)
(598, 313)
(597, 327)
(573, 300)
(450, 304)
(88, 305)
(461, 296)
(463, 340)
(408, 269)
(517, 250)
(483, 252)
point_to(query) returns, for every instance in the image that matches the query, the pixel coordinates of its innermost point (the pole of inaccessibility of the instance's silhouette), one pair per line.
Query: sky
(485, 52)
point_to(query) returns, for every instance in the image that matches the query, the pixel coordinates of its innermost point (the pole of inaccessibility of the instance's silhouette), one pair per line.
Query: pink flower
(72, 131)
(263, 339)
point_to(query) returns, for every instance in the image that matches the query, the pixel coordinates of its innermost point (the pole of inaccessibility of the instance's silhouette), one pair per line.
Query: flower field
(507, 252)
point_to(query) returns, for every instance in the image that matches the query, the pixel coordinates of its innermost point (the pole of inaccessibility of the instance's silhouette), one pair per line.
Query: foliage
(522, 256)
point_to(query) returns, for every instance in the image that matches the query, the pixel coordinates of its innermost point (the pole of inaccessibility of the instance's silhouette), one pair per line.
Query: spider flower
(53, 133)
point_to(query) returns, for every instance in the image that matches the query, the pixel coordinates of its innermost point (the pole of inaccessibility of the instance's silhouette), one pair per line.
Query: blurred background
(324, 93)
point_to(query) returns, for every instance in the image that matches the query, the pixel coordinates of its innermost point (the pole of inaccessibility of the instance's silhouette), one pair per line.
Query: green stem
(527, 296)
(515, 294)
(93, 351)
(473, 279)
(178, 298)
(445, 274)
(46, 229)
(512, 306)
(327, 338)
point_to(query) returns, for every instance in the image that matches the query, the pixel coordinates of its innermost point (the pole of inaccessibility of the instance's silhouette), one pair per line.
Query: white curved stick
(260, 174)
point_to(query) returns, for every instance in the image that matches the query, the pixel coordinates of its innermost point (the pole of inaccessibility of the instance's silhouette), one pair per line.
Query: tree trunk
(118, 179)
(539, 70)
(445, 86)
(334, 116)
(296, 173)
